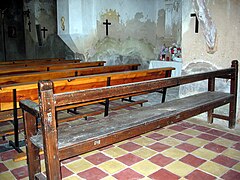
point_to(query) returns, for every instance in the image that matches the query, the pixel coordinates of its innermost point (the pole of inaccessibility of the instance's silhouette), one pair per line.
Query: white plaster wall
(138, 19)
(226, 17)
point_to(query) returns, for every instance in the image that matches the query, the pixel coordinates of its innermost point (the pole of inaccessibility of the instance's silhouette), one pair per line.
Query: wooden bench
(56, 74)
(36, 63)
(63, 142)
(10, 95)
(8, 115)
(30, 60)
(48, 67)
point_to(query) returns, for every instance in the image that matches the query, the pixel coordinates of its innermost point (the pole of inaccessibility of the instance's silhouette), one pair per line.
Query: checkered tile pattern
(186, 150)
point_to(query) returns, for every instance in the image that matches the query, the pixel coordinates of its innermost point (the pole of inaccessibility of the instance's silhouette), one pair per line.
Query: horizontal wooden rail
(56, 74)
(46, 67)
(132, 88)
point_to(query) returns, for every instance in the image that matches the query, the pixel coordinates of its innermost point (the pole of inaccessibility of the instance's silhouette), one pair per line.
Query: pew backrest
(30, 90)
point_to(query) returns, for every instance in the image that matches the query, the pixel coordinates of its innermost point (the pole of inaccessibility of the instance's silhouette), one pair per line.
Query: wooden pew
(29, 90)
(64, 142)
(15, 114)
(30, 60)
(45, 67)
(36, 63)
(10, 95)
(56, 74)
(25, 63)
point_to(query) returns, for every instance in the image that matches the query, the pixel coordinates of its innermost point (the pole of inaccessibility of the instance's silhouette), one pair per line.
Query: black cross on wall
(44, 31)
(29, 26)
(106, 23)
(196, 21)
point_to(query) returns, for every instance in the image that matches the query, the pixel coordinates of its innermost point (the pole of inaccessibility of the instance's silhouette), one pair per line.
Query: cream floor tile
(115, 152)
(108, 178)
(204, 153)
(144, 153)
(73, 177)
(145, 167)
(167, 132)
(7, 176)
(112, 166)
(170, 141)
(179, 168)
(174, 153)
(237, 167)
(191, 132)
(213, 168)
(197, 142)
(144, 141)
(89, 153)
(79, 165)
(232, 153)
(13, 165)
(224, 142)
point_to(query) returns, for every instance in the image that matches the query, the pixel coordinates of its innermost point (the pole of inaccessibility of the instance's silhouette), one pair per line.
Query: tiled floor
(191, 149)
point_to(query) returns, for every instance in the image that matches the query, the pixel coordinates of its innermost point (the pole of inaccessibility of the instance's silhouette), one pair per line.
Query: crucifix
(196, 21)
(44, 31)
(27, 12)
(106, 23)
(29, 26)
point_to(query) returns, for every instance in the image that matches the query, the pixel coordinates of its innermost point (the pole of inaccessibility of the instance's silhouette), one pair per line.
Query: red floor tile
(158, 147)
(232, 137)
(177, 128)
(216, 132)
(231, 175)
(129, 159)
(128, 174)
(201, 128)
(163, 174)
(156, 136)
(225, 161)
(207, 137)
(199, 175)
(182, 137)
(130, 146)
(236, 146)
(192, 160)
(187, 147)
(21, 172)
(215, 147)
(97, 158)
(4, 156)
(92, 174)
(161, 160)
(3, 168)
(65, 172)
(186, 124)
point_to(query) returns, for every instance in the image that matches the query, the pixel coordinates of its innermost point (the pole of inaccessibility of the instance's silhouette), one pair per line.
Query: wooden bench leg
(233, 90)
(232, 115)
(210, 116)
(33, 158)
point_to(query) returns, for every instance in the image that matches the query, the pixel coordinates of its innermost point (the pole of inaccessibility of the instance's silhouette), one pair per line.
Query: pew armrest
(30, 106)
